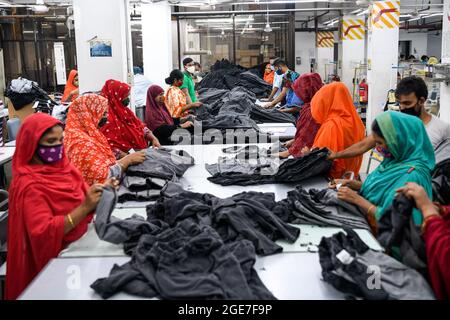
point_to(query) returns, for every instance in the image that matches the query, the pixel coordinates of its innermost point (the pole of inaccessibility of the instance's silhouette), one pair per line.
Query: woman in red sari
(50, 204)
(436, 233)
(124, 131)
(305, 88)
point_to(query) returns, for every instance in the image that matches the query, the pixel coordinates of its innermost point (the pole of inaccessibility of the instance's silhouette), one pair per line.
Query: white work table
(6, 154)
(289, 276)
(293, 274)
(10, 144)
(282, 131)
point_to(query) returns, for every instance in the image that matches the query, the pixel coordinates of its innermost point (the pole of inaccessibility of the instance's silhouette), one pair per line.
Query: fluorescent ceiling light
(414, 19)
(436, 14)
(363, 12)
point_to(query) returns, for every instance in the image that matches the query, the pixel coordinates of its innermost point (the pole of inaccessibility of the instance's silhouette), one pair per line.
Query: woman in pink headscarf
(305, 88)
(158, 118)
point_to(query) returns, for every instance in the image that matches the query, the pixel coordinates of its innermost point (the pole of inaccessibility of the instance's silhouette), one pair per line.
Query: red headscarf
(40, 198)
(70, 86)
(340, 125)
(86, 147)
(124, 130)
(305, 88)
(155, 114)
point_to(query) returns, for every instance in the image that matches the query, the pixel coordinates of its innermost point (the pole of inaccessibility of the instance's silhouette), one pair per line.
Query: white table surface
(289, 276)
(6, 154)
(10, 144)
(281, 130)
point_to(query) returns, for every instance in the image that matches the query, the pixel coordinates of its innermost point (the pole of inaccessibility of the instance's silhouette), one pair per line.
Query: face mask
(191, 69)
(384, 152)
(411, 111)
(102, 121)
(272, 68)
(279, 72)
(126, 102)
(50, 154)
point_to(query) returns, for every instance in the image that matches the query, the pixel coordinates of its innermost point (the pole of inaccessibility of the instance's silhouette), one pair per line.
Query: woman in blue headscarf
(408, 157)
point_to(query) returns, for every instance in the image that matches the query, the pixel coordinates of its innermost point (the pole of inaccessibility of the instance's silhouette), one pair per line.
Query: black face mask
(411, 111)
(102, 121)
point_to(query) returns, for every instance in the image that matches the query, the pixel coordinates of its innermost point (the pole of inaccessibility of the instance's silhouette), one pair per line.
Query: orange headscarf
(340, 125)
(86, 147)
(269, 76)
(70, 86)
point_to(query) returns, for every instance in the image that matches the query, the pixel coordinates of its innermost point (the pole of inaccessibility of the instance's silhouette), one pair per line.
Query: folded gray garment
(135, 184)
(125, 194)
(22, 85)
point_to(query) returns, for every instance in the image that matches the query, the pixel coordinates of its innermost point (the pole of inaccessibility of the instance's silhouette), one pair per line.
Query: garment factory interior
(225, 150)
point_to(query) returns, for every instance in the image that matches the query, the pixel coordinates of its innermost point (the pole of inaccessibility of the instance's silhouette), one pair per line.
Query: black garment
(397, 232)
(261, 115)
(164, 132)
(211, 95)
(225, 75)
(351, 267)
(441, 174)
(188, 261)
(119, 231)
(303, 207)
(269, 170)
(247, 215)
(162, 163)
(144, 182)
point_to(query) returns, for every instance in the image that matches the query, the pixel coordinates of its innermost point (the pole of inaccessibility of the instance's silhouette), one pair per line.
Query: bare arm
(188, 97)
(278, 99)
(272, 94)
(355, 150)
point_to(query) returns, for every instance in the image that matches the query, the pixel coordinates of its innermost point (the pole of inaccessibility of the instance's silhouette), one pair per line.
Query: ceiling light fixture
(268, 28)
(40, 7)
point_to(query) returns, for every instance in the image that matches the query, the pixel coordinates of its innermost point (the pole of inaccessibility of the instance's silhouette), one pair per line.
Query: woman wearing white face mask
(188, 86)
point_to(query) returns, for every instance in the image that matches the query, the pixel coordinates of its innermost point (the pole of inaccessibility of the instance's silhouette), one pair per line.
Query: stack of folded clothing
(144, 182)
(266, 170)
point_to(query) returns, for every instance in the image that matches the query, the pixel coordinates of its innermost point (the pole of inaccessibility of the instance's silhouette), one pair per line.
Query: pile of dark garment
(253, 170)
(192, 246)
(225, 75)
(239, 100)
(320, 207)
(441, 173)
(351, 267)
(144, 182)
(401, 237)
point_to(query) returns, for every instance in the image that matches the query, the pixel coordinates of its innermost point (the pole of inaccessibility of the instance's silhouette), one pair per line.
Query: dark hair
(174, 75)
(279, 62)
(187, 61)
(402, 56)
(411, 57)
(376, 129)
(197, 64)
(412, 84)
(424, 57)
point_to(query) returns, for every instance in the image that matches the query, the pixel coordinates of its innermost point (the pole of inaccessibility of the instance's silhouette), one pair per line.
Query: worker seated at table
(340, 126)
(158, 118)
(411, 94)
(87, 148)
(436, 234)
(305, 87)
(176, 99)
(407, 158)
(290, 101)
(277, 82)
(22, 94)
(71, 92)
(269, 74)
(124, 130)
(50, 205)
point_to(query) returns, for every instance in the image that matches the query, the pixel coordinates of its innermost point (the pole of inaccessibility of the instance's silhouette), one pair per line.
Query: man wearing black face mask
(281, 70)
(411, 94)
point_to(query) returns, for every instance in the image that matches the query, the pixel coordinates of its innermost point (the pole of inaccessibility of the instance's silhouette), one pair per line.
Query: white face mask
(191, 69)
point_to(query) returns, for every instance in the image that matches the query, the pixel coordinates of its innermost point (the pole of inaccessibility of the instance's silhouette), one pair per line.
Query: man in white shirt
(411, 94)
(277, 86)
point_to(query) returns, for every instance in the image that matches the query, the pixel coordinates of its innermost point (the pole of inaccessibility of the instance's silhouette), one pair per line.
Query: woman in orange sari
(340, 126)
(87, 148)
(269, 74)
(71, 91)
(176, 101)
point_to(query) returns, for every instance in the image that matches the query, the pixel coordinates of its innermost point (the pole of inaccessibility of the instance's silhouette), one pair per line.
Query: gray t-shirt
(437, 130)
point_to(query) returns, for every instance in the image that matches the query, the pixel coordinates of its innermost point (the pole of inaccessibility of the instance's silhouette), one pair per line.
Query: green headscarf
(413, 160)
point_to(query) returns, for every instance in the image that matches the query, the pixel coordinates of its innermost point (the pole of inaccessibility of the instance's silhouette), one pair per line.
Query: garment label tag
(131, 151)
(344, 257)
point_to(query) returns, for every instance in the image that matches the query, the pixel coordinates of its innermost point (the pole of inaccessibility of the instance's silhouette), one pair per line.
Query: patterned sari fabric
(124, 130)
(86, 147)
(175, 101)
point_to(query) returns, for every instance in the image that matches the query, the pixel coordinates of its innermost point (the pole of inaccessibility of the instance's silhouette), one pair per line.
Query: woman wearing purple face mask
(50, 205)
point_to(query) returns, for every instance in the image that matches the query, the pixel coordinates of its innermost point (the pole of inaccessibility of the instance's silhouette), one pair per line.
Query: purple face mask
(50, 154)
(384, 152)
